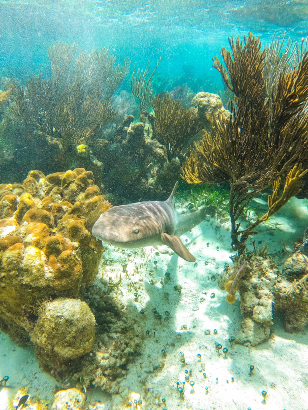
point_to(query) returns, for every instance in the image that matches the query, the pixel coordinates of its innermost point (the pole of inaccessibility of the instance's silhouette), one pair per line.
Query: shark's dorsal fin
(174, 242)
(172, 193)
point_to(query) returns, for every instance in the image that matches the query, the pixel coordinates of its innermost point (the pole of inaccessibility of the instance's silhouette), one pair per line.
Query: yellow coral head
(4, 95)
(228, 285)
(230, 298)
(82, 149)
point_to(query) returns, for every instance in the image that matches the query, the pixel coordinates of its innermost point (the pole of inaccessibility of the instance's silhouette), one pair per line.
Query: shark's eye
(136, 231)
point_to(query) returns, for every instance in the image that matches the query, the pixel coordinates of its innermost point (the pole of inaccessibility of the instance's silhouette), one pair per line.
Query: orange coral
(92, 191)
(38, 215)
(45, 243)
(37, 235)
(8, 206)
(9, 241)
(66, 268)
(55, 245)
(26, 202)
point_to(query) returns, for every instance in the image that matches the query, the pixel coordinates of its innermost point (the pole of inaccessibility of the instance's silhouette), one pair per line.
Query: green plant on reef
(263, 141)
(173, 124)
(72, 105)
(209, 195)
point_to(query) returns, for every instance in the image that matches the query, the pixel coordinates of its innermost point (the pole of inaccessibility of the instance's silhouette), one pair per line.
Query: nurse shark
(148, 223)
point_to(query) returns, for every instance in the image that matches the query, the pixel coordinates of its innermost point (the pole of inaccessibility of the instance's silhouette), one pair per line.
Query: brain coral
(46, 248)
(64, 330)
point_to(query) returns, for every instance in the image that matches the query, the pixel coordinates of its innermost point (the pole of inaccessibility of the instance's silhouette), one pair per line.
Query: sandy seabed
(215, 381)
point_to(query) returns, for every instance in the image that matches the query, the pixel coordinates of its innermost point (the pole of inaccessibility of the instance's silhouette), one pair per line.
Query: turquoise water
(187, 34)
(150, 306)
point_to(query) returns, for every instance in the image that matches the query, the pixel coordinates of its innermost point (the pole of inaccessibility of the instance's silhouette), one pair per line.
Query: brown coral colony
(46, 249)
(265, 138)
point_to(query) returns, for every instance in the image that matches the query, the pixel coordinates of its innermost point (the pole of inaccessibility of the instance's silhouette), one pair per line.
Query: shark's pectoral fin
(174, 242)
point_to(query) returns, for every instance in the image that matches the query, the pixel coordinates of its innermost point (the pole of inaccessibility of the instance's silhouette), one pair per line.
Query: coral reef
(262, 140)
(142, 160)
(47, 118)
(255, 285)
(48, 262)
(209, 106)
(264, 289)
(136, 166)
(174, 125)
(119, 336)
(291, 293)
(72, 117)
(46, 249)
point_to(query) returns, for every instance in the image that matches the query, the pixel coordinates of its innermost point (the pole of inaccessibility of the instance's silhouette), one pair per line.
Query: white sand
(281, 364)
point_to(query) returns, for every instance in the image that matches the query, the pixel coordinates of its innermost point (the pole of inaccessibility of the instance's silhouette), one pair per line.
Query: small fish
(147, 223)
(22, 401)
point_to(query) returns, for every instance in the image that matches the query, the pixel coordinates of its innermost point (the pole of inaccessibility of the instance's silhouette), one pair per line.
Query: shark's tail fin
(172, 193)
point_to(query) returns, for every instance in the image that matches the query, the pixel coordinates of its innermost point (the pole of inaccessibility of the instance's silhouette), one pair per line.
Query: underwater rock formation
(207, 105)
(46, 248)
(265, 289)
(135, 165)
(143, 159)
(72, 399)
(291, 293)
(256, 290)
(48, 262)
(64, 330)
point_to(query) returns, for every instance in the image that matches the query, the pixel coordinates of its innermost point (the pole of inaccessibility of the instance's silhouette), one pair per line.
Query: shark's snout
(105, 230)
(111, 228)
(97, 231)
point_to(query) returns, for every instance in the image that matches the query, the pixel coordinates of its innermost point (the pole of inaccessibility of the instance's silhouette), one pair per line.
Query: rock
(252, 333)
(70, 399)
(291, 293)
(256, 288)
(64, 330)
(295, 266)
(207, 104)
